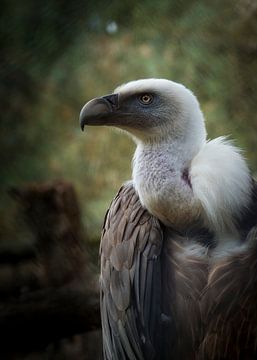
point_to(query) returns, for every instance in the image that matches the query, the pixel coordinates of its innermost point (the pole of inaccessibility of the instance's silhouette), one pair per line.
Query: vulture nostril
(112, 99)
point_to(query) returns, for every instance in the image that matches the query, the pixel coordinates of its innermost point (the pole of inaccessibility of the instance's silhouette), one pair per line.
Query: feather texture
(130, 279)
(163, 296)
(229, 306)
(221, 181)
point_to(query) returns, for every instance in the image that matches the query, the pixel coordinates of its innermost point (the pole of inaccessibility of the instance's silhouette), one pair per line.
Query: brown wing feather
(229, 302)
(130, 279)
(229, 307)
(186, 278)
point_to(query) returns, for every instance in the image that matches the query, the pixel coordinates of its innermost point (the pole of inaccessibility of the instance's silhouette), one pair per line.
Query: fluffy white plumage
(221, 181)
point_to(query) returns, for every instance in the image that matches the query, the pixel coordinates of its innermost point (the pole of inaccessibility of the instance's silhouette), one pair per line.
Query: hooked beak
(98, 111)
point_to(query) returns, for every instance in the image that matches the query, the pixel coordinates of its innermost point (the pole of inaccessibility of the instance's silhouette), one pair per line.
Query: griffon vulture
(179, 245)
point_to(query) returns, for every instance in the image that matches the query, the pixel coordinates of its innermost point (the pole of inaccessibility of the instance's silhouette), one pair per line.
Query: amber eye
(146, 99)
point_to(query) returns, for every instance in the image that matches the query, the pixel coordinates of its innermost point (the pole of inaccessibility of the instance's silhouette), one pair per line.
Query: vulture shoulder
(130, 279)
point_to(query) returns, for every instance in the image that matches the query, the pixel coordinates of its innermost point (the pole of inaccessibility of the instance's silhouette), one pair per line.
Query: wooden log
(52, 213)
(57, 293)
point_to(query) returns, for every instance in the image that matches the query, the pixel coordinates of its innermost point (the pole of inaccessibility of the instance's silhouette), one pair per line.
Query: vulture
(179, 241)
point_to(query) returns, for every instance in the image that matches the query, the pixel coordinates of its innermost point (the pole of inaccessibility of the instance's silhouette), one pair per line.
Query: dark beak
(98, 111)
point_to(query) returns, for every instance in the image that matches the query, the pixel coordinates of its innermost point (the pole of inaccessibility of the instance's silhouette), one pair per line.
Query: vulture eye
(146, 99)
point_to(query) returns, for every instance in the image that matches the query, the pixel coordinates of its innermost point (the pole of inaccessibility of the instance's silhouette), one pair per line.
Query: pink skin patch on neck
(186, 177)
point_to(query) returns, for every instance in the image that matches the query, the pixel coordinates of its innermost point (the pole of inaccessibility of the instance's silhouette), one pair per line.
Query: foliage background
(58, 54)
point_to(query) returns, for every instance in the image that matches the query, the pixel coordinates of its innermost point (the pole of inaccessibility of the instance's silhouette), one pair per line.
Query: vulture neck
(184, 182)
(176, 155)
(161, 174)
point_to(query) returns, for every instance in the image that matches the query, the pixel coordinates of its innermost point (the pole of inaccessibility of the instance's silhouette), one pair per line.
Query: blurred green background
(58, 54)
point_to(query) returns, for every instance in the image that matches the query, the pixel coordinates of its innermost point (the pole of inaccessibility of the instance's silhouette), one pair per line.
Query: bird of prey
(179, 242)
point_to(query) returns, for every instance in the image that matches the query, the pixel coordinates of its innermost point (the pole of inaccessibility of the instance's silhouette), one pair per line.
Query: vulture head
(151, 110)
(179, 176)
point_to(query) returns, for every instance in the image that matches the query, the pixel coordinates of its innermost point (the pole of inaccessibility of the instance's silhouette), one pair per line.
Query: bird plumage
(180, 239)
(163, 296)
(130, 279)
